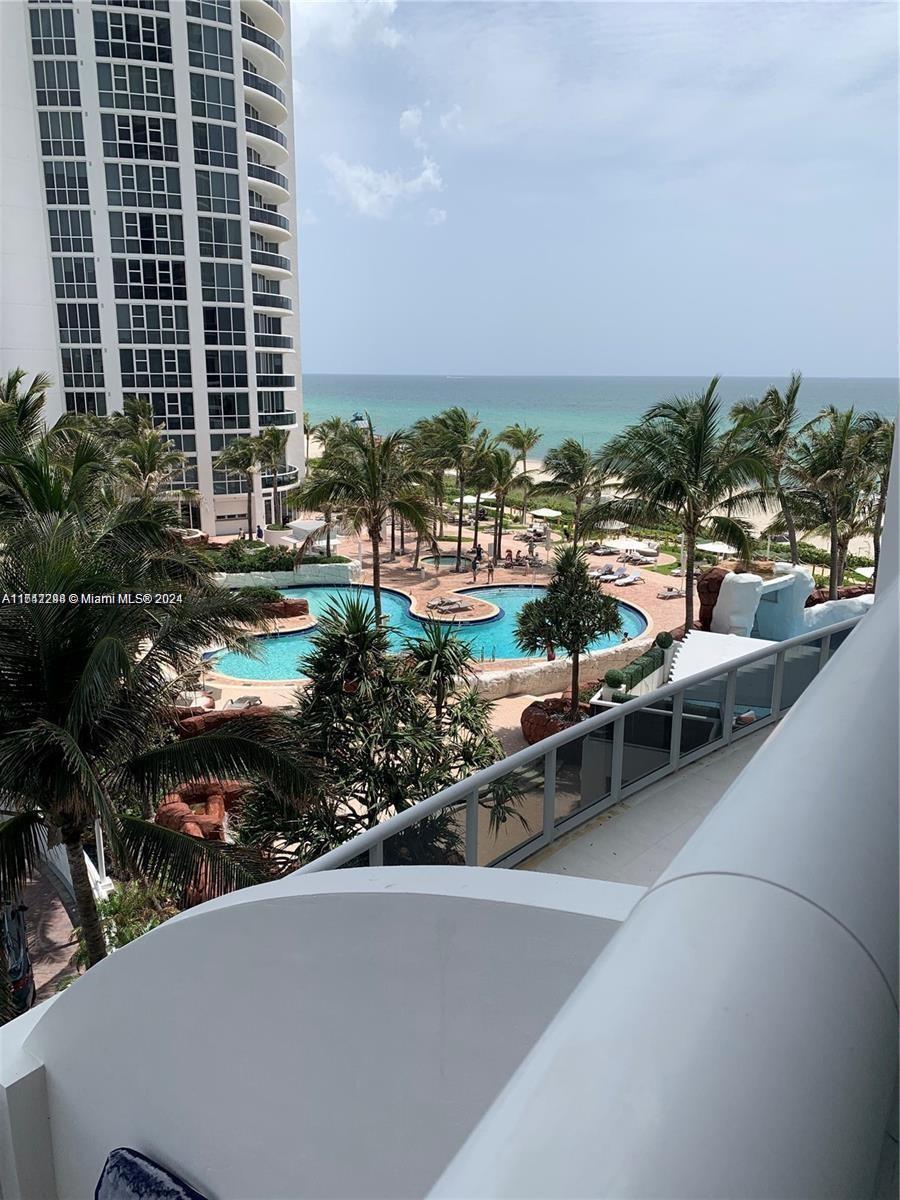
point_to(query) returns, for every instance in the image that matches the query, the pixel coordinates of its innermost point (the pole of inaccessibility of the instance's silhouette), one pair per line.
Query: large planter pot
(542, 718)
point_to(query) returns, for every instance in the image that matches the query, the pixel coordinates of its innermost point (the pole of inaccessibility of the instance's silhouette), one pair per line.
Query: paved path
(636, 840)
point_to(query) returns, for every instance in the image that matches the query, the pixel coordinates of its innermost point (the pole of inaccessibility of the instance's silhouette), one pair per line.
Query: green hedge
(664, 639)
(261, 592)
(651, 660)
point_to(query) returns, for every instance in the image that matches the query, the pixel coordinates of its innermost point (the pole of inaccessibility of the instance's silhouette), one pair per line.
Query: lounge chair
(669, 593)
(626, 580)
(243, 702)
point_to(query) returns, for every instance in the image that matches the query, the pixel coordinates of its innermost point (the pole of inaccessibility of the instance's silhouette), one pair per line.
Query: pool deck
(436, 585)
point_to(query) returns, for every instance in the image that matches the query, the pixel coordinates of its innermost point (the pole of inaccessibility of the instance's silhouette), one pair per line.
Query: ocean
(589, 408)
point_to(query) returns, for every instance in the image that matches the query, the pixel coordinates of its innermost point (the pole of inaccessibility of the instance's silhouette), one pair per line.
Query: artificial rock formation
(288, 607)
(709, 584)
(543, 718)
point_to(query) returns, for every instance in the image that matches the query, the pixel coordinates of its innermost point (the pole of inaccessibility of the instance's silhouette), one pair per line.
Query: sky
(597, 189)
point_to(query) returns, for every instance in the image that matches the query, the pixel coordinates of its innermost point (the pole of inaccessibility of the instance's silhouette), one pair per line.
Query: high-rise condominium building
(149, 223)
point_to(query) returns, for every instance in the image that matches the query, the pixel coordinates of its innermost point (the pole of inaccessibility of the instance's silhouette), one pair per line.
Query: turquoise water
(446, 560)
(592, 408)
(281, 655)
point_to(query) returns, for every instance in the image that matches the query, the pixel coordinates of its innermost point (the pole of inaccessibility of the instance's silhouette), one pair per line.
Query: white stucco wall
(331, 1035)
(307, 573)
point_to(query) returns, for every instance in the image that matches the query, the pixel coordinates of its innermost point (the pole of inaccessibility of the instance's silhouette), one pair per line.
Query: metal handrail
(265, 216)
(264, 130)
(259, 84)
(252, 34)
(269, 175)
(271, 300)
(467, 790)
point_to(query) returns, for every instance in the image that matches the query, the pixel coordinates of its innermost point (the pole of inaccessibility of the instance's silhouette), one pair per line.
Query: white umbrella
(612, 526)
(866, 572)
(716, 548)
(623, 545)
(487, 498)
(546, 514)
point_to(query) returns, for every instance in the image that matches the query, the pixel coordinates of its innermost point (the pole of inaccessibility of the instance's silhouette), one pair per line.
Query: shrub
(271, 558)
(664, 639)
(614, 679)
(621, 697)
(262, 592)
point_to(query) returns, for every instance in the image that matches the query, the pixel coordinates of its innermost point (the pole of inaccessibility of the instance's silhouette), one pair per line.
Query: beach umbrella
(612, 526)
(623, 545)
(716, 548)
(866, 572)
(487, 498)
(546, 514)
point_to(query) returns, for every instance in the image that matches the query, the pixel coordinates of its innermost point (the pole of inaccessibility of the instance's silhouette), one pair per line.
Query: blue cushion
(128, 1175)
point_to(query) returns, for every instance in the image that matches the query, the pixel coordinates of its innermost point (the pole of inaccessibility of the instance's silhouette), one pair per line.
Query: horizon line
(564, 375)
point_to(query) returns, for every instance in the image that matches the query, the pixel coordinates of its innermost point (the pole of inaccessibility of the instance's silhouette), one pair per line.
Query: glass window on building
(130, 185)
(66, 182)
(70, 231)
(149, 279)
(226, 369)
(210, 48)
(135, 86)
(74, 278)
(78, 322)
(152, 324)
(62, 134)
(82, 368)
(215, 145)
(212, 96)
(222, 282)
(224, 327)
(146, 233)
(219, 237)
(52, 32)
(217, 191)
(137, 136)
(132, 35)
(210, 10)
(56, 84)
(229, 410)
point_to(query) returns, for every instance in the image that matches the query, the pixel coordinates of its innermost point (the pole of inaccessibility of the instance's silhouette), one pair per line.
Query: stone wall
(306, 573)
(542, 678)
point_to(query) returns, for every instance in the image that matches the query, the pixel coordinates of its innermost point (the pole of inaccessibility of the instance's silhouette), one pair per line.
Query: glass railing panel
(753, 693)
(646, 743)
(837, 640)
(438, 840)
(583, 772)
(801, 666)
(510, 812)
(702, 713)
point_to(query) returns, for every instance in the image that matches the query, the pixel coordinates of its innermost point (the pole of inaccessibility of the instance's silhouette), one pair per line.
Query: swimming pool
(445, 560)
(493, 638)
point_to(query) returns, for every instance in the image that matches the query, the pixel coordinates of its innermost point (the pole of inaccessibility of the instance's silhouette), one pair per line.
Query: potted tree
(572, 613)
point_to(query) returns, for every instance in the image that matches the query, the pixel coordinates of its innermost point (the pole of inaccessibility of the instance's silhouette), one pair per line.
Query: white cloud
(374, 193)
(451, 121)
(411, 120)
(340, 23)
(436, 216)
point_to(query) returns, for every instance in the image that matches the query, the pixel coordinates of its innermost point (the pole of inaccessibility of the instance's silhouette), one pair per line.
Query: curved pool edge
(498, 666)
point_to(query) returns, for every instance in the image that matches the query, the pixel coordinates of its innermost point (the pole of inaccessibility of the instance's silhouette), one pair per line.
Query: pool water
(445, 560)
(280, 656)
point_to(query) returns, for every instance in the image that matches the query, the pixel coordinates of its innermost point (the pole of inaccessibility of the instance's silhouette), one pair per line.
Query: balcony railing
(252, 34)
(265, 258)
(277, 341)
(277, 5)
(271, 299)
(252, 80)
(268, 175)
(287, 476)
(287, 417)
(571, 777)
(264, 130)
(265, 216)
(276, 381)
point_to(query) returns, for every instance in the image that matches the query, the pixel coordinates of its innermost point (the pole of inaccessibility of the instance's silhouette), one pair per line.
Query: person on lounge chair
(508, 560)
(519, 560)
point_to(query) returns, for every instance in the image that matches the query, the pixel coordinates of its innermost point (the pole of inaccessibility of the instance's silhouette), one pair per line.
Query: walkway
(636, 840)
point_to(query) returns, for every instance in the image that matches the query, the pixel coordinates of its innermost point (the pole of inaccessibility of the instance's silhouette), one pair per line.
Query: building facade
(149, 223)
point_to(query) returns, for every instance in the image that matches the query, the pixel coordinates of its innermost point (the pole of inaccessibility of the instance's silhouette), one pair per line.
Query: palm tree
(572, 614)
(270, 451)
(368, 479)
(241, 457)
(880, 454)
(147, 461)
(769, 426)
(830, 478)
(86, 695)
(576, 473)
(521, 439)
(454, 431)
(442, 659)
(678, 465)
(480, 463)
(505, 476)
